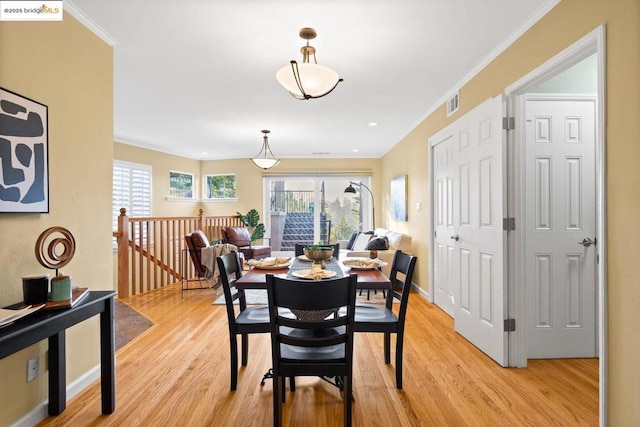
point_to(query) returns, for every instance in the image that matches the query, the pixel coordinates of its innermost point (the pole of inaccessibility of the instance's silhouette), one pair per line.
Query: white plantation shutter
(131, 190)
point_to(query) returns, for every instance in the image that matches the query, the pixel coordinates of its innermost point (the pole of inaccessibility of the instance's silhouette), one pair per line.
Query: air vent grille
(453, 104)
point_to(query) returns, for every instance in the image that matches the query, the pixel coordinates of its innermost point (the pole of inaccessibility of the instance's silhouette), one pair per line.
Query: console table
(52, 325)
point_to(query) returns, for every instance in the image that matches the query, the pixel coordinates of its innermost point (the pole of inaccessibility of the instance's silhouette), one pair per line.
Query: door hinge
(509, 325)
(508, 123)
(508, 224)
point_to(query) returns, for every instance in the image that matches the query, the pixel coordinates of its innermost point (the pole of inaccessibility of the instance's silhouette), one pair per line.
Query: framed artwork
(399, 198)
(24, 154)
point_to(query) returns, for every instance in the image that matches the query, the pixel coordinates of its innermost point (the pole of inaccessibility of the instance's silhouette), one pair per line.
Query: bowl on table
(318, 254)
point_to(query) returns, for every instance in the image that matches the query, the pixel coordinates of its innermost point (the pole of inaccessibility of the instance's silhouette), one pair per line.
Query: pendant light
(265, 158)
(308, 80)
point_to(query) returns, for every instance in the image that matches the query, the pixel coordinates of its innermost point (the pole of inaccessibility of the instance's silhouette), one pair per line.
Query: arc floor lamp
(352, 190)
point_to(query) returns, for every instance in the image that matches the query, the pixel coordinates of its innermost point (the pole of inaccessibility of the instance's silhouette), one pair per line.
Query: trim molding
(96, 29)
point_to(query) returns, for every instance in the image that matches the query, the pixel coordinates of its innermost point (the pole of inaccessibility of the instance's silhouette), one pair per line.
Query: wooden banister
(149, 251)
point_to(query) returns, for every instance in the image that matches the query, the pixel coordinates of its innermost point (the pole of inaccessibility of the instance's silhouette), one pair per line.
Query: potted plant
(252, 221)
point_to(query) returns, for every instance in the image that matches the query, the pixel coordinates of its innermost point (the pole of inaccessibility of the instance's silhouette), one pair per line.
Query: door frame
(592, 43)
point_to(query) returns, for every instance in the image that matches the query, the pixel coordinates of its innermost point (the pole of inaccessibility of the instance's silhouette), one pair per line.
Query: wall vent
(453, 104)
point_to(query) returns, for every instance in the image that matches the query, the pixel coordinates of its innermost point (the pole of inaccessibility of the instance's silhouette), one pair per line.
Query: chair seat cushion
(315, 354)
(254, 314)
(373, 313)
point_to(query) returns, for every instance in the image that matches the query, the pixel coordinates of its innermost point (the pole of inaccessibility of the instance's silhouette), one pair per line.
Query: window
(181, 185)
(131, 190)
(218, 187)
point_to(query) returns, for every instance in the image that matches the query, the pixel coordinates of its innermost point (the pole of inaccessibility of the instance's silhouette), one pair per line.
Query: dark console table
(52, 325)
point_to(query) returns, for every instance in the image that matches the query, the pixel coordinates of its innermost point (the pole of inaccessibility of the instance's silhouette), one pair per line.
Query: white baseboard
(40, 412)
(422, 292)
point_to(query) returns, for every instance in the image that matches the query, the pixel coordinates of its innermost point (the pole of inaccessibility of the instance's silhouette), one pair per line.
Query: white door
(478, 205)
(560, 215)
(444, 170)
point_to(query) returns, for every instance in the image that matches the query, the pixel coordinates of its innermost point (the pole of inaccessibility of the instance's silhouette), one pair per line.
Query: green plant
(252, 221)
(215, 241)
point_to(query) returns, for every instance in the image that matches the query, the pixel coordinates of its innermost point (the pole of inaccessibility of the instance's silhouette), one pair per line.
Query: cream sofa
(397, 241)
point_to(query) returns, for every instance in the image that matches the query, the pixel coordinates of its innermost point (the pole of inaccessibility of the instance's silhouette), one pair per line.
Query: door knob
(456, 237)
(586, 242)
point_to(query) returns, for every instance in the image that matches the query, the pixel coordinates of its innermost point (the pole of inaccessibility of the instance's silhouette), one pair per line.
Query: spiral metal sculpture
(49, 256)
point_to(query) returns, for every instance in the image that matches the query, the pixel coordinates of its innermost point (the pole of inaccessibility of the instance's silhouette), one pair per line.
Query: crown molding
(89, 23)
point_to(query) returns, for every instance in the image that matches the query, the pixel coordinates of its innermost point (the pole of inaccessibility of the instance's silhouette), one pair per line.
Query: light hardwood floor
(177, 374)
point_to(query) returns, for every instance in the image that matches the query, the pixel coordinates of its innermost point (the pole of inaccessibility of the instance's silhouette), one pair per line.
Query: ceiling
(196, 78)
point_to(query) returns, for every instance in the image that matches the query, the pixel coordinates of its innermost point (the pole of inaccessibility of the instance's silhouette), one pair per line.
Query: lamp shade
(265, 163)
(265, 158)
(314, 80)
(350, 189)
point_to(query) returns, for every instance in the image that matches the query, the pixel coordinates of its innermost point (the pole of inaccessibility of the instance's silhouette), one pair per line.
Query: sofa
(397, 241)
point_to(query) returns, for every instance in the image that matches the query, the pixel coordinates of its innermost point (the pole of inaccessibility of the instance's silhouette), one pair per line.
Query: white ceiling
(194, 76)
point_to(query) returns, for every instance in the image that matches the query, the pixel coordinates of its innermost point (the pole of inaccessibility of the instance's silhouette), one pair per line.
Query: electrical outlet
(33, 368)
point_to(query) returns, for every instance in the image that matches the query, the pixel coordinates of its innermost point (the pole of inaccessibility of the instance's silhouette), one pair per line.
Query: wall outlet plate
(33, 368)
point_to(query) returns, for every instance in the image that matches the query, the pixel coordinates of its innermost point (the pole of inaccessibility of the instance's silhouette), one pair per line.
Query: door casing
(592, 43)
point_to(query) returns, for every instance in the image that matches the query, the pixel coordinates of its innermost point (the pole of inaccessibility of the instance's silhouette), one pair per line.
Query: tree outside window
(220, 186)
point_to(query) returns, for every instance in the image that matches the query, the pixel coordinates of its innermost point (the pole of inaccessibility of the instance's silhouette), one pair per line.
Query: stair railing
(150, 249)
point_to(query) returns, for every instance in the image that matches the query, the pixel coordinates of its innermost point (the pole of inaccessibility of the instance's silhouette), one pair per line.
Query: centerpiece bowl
(318, 253)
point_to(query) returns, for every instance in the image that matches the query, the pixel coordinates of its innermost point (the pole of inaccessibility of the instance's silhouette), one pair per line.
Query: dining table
(256, 277)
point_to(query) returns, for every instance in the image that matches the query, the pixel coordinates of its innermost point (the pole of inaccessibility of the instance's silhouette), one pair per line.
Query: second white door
(560, 223)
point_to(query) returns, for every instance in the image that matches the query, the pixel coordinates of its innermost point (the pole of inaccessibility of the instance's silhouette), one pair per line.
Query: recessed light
(355, 150)
(373, 124)
(204, 153)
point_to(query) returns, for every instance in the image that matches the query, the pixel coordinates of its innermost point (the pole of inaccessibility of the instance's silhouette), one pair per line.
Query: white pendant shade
(265, 158)
(316, 80)
(265, 163)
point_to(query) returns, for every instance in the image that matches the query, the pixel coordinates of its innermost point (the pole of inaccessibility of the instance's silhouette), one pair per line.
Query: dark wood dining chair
(312, 347)
(374, 318)
(299, 249)
(249, 320)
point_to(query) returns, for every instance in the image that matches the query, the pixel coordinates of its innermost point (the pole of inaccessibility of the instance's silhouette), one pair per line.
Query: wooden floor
(177, 374)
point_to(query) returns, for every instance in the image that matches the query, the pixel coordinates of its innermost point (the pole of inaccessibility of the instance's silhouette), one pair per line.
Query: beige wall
(161, 164)
(64, 66)
(565, 24)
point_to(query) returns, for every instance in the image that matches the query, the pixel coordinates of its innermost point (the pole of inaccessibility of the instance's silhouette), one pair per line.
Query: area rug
(259, 296)
(128, 323)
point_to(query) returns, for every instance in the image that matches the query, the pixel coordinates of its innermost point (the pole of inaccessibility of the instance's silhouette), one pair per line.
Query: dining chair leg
(399, 346)
(348, 399)
(277, 402)
(387, 348)
(233, 351)
(245, 349)
(283, 388)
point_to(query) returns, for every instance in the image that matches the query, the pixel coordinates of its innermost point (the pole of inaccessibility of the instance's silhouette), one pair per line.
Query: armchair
(240, 237)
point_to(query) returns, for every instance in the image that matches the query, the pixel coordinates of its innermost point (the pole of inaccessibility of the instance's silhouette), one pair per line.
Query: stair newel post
(123, 254)
(200, 221)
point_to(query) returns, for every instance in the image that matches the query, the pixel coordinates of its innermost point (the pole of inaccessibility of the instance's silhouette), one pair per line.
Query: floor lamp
(352, 190)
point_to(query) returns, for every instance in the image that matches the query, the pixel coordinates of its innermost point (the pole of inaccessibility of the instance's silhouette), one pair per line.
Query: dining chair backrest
(229, 266)
(401, 277)
(299, 249)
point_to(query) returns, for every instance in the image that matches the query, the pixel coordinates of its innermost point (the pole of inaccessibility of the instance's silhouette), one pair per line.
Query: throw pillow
(378, 244)
(361, 242)
(352, 239)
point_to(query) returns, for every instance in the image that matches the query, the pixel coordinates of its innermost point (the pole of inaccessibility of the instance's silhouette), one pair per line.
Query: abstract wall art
(24, 154)
(399, 198)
